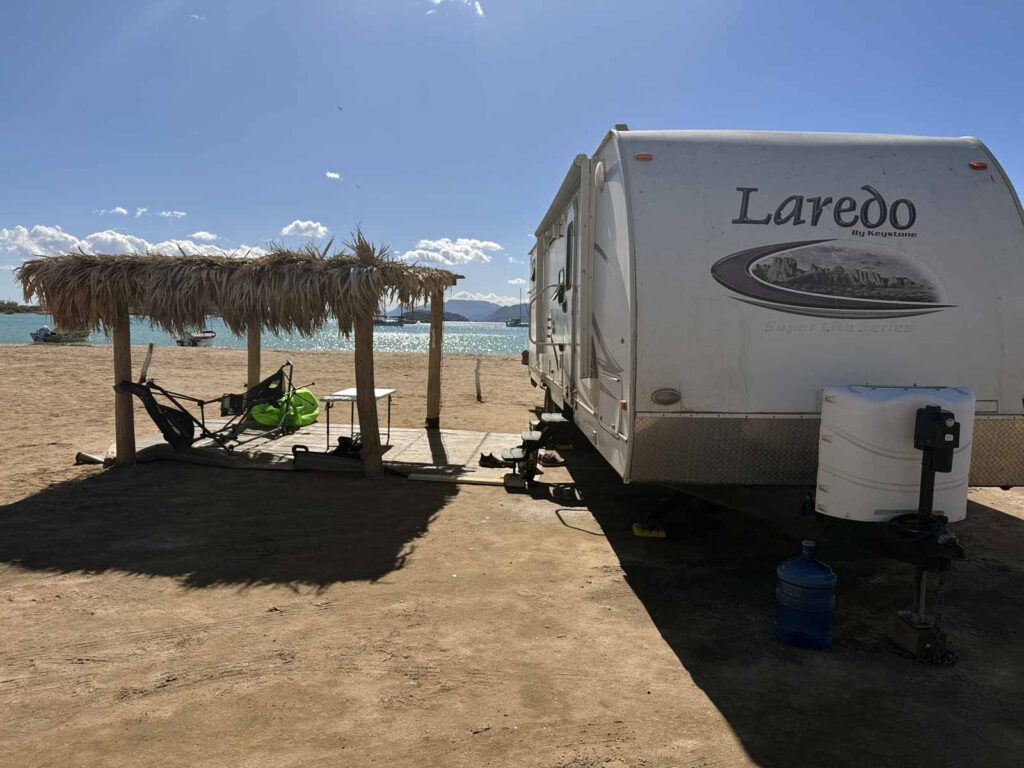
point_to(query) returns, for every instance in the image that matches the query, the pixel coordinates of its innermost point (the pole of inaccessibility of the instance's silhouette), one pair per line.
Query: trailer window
(568, 255)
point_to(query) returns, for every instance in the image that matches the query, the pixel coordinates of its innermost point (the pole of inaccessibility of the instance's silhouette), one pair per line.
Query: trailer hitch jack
(923, 539)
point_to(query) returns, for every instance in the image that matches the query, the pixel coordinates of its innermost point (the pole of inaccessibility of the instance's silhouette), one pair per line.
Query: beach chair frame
(275, 388)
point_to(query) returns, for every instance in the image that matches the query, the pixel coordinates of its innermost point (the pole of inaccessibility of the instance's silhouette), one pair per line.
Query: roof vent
(621, 127)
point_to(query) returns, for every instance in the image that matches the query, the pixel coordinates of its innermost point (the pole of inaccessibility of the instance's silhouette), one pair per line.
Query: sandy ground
(182, 615)
(69, 390)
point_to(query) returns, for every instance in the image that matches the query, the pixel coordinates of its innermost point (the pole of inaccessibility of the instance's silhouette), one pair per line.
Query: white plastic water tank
(868, 468)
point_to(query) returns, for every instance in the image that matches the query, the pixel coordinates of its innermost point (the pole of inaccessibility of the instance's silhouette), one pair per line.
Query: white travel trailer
(693, 293)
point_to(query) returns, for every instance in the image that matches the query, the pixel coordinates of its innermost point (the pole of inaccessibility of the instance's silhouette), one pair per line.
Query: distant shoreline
(286, 350)
(459, 336)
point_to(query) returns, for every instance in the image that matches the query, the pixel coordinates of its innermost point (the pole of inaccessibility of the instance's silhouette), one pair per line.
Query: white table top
(348, 395)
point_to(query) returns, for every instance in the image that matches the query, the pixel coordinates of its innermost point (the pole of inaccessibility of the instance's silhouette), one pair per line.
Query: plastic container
(805, 600)
(868, 467)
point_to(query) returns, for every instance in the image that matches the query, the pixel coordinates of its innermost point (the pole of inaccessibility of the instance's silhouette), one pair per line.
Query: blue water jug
(805, 600)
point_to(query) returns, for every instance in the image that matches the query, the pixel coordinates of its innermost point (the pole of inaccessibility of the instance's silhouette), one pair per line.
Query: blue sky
(448, 123)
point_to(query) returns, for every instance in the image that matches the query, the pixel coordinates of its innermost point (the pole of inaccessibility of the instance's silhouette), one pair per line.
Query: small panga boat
(203, 338)
(47, 335)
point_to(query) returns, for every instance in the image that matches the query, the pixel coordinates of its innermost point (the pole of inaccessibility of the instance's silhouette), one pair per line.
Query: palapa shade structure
(284, 291)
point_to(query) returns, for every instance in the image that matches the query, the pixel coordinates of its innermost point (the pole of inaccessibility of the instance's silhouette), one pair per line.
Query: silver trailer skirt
(783, 450)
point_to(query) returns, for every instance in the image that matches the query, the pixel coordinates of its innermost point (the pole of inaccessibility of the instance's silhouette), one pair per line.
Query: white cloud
(112, 241)
(117, 210)
(20, 243)
(23, 243)
(305, 229)
(474, 5)
(517, 281)
(505, 301)
(203, 235)
(196, 17)
(174, 247)
(253, 251)
(463, 250)
(514, 260)
(140, 211)
(332, 175)
(172, 214)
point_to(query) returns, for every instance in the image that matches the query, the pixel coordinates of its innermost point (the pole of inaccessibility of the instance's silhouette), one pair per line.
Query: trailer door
(567, 331)
(554, 333)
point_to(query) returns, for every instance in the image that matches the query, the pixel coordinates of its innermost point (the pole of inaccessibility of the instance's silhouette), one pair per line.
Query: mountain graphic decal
(830, 278)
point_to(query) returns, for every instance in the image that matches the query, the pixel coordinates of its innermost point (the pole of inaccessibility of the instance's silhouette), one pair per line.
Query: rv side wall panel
(769, 266)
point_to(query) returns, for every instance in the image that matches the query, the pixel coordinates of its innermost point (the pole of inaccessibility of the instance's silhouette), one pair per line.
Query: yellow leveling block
(646, 532)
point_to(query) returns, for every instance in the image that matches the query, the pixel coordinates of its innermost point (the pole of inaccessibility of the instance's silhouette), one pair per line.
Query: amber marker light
(643, 156)
(977, 165)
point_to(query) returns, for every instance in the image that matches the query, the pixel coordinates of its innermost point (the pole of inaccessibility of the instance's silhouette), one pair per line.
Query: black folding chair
(178, 425)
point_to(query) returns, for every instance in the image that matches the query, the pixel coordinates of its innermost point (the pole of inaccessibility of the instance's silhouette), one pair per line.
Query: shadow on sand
(210, 526)
(709, 590)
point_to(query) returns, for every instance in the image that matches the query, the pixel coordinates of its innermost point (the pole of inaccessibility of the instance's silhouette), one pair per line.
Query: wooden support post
(253, 373)
(366, 402)
(124, 414)
(434, 360)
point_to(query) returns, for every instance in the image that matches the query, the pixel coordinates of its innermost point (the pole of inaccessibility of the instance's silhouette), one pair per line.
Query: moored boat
(517, 322)
(203, 338)
(46, 335)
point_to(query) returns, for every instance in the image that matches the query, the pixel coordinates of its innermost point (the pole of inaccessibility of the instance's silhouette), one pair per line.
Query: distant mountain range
(468, 309)
(851, 282)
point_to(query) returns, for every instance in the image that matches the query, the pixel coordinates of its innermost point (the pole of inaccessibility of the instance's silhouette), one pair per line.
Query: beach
(64, 396)
(171, 614)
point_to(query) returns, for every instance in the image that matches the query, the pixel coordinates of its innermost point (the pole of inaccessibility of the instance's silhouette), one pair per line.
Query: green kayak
(303, 410)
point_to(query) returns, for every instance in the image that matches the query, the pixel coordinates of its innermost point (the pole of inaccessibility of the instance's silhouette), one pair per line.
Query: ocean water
(459, 338)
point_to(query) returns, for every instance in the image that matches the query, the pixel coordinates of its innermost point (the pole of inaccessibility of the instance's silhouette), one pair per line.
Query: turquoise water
(459, 338)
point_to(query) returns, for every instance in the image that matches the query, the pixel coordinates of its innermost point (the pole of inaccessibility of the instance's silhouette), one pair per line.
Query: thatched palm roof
(283, 291)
